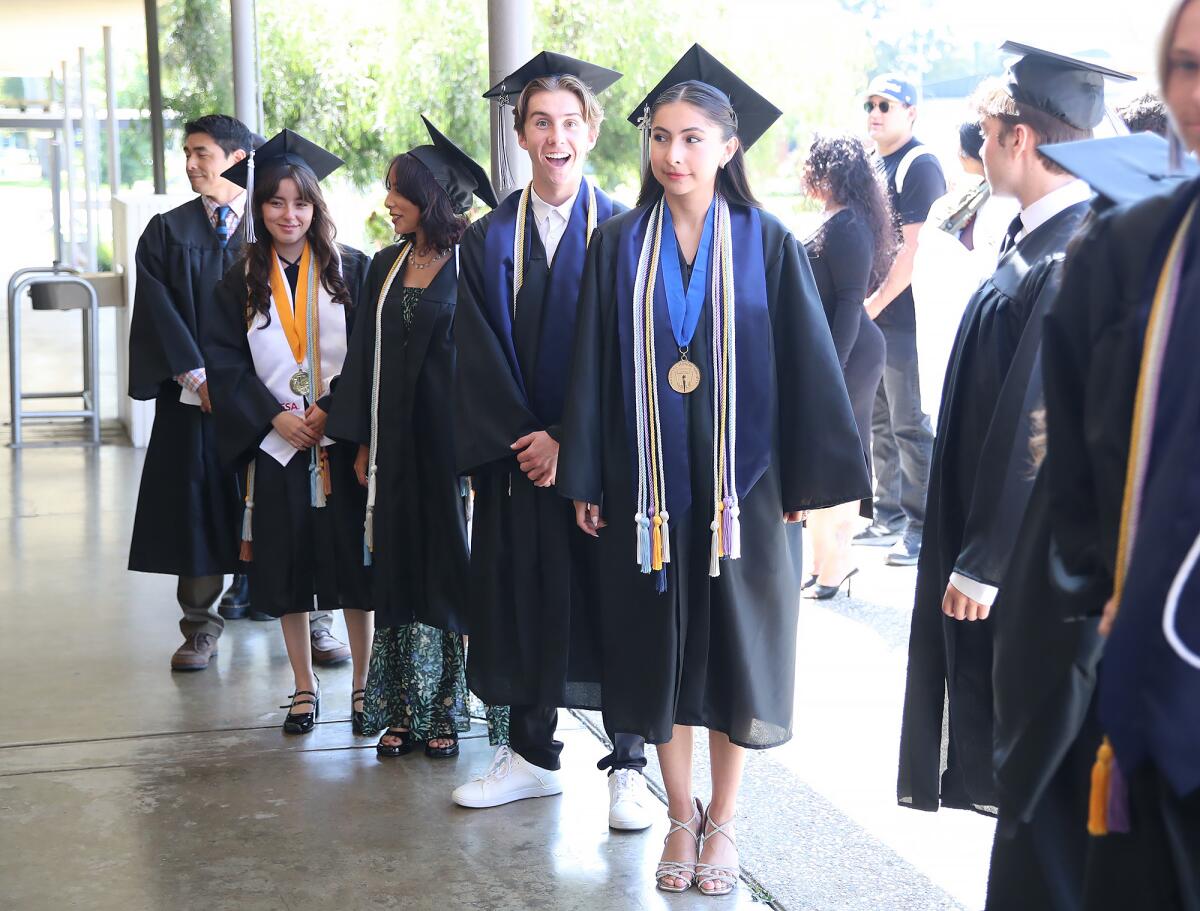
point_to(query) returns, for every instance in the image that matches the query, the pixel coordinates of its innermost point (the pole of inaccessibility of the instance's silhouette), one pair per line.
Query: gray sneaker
(877, 536)
(905, 552)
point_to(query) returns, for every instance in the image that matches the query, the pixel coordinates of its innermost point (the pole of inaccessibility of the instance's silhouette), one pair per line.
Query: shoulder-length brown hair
(321, 234)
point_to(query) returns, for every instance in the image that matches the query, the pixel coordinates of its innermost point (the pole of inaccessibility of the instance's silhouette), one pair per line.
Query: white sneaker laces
(501, 766)
(625, 784)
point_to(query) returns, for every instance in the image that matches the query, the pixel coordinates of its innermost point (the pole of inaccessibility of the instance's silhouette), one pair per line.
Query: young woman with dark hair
(393, 401)
(284, 314)
(850, 254)
(704, 431)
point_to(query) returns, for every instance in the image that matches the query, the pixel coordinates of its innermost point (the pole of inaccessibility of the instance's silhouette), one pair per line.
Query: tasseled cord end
(1108, 802)
(248, 214)
(369, 522)
(246, 548)
(503, 168)
(714, 551)
(644, 550)
(643, 126)
(316, 479)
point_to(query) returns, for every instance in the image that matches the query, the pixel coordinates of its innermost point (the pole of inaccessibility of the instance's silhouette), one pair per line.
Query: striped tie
(222, 225)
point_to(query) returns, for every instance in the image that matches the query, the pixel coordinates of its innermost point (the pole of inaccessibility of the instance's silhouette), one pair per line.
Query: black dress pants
(531, 735)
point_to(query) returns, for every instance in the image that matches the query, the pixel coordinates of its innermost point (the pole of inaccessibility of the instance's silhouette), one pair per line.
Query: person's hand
(958, 606)
(587, 517)
(791, 518)
(1109, 617)
(205, 401)
(295, 430)
(873, 306)
(537, 455)
(360, 464)
(314, 417)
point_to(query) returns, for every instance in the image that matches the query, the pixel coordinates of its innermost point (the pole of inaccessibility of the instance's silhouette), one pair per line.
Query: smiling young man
(901, 432)
(189, 509)
(534, 640)
(982, 470)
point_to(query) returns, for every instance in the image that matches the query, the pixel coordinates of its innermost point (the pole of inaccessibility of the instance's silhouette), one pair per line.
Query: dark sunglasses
(884, 106)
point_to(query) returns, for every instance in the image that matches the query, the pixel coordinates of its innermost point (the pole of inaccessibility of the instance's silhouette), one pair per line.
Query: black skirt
(300, 551)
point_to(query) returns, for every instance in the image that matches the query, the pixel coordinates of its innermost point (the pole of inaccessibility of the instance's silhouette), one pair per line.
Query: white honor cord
(1171, 610)
(519, 238)
(369, 522)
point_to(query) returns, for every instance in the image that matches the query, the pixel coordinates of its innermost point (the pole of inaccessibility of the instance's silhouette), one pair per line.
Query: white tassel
(714, 553)
(735, 542)
(248, 213)
(666, 537)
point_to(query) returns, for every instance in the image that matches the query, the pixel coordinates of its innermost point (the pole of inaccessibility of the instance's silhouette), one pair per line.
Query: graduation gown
(188, 506)
(298, 550)
(980, 478)
(714, 652)
(419, 555)
(534, 637)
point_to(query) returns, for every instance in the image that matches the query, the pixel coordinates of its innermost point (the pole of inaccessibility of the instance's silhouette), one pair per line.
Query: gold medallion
(684, 376)
(299, 383)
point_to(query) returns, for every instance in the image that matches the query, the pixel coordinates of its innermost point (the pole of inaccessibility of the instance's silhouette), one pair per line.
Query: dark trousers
(531, 735)
(902, 438)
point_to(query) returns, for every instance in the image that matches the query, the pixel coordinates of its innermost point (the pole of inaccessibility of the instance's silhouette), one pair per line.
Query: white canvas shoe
(629, 802)
(508, 778)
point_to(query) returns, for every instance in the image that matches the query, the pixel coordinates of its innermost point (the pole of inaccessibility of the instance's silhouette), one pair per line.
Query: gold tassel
(656, 547)
(1098, 799)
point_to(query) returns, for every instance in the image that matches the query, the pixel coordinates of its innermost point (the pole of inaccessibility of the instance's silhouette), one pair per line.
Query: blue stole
(755, 381)
(557, 336)
(1149, 694)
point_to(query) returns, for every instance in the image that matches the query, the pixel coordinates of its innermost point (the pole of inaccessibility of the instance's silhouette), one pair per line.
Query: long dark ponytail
(732, 181)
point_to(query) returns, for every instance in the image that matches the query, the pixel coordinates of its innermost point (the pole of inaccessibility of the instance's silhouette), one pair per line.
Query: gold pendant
(299, 383)
(684, 376)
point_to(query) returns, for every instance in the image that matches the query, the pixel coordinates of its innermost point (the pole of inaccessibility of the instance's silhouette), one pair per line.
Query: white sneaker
(508, 778)
(629, 805)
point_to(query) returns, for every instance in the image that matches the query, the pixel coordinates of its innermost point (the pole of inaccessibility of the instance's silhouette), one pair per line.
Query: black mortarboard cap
(286, 147)
(1122, 168)
(754, 113)
(1065, 87)
(454, 170)
(547, 63)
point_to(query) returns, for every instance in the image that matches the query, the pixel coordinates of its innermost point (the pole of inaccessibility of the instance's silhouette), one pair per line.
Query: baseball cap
(893, 86)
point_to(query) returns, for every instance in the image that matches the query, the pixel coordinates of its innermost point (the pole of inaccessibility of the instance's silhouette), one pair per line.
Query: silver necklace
(425, 265)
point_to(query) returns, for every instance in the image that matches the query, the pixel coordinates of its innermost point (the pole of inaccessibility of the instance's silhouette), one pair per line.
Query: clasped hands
(537, 456)
(301, 432)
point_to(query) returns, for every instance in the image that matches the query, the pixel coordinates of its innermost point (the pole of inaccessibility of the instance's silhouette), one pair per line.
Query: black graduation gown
(419, 556)
(188, 507)
(980, 478)
(534, 639)
(1046, 618)
(298, 551)
(713, 652)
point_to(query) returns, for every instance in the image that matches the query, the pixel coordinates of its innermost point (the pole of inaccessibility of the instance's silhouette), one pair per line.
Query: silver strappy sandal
(678, 869)
(719, 879)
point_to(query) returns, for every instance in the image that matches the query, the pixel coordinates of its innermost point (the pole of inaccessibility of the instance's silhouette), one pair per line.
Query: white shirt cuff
(976, 591)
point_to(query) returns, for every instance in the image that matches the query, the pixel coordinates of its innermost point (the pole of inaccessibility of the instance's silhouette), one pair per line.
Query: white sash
(275, 365)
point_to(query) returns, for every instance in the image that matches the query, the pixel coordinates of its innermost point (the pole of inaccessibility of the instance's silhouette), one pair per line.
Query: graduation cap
(547, 63)
(284, 148)
(1122, 168)
(454, 170)
(754, 113)
(1064, 87)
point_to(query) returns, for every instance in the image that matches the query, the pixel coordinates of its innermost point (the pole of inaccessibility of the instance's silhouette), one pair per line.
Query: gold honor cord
(376, 369)
(293, 316)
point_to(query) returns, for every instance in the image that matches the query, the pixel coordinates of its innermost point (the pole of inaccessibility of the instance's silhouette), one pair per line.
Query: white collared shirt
(551, 221)
(1038, 213)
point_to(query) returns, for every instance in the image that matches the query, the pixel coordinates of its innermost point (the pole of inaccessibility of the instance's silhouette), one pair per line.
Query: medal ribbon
(685, 307)
(293, 317)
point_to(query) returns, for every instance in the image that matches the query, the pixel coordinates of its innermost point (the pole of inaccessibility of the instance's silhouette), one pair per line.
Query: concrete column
(70, 250)
(154, 74)
(91, 181)
(111, 126)
(246, 99)
(510, 44)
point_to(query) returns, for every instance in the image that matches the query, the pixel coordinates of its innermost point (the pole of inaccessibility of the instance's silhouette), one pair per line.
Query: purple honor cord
(684, 307)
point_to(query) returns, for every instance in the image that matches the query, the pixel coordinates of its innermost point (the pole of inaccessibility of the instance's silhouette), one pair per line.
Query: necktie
(222, 226)
(1010, 238)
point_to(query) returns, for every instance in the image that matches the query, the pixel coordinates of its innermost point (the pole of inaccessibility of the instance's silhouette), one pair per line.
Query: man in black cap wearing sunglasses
(901, 431)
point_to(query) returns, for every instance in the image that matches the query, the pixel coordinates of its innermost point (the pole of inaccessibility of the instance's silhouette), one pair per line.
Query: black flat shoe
(302, 723)
(235, 603)
(403, 748)
(812, 580)
(821, 592)
(442, 752)
(358, 719)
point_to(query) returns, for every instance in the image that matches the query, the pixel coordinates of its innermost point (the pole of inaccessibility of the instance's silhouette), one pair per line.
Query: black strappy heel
(446, 752)
(403, 748)
(303, 722)
(358, 719)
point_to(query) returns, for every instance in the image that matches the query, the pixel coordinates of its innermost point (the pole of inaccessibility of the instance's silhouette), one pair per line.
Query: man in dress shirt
(189, 509)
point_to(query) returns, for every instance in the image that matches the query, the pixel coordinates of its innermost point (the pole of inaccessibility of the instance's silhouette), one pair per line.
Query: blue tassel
(660, 581)
(644, 554)
(366, 552)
